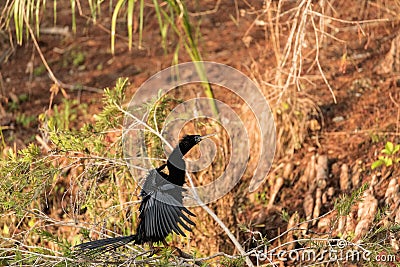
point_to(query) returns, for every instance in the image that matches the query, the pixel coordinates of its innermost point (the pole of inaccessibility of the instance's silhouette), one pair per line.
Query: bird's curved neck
(176, 164)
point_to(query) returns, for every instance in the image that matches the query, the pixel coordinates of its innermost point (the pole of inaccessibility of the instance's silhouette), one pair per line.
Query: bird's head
(176, 164)
(189, 141)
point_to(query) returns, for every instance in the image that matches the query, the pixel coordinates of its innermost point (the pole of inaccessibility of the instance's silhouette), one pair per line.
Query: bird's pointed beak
(207, 136)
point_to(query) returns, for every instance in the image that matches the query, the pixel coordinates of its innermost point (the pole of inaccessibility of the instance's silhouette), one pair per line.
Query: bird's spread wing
(162, 211)
(159, 218)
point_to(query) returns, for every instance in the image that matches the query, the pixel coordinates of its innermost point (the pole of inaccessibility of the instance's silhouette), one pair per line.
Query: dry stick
(298, 44)
(53, 222)
(367, 21)
(276, 41)
(40, 52)
(221, 224)
(144, 124)
(318, 63)
(288, 49)
(398, 111)
(362, 132)
(50, 72)
(207, 12)
(384, 8)
(218, 254)
(297, 48)
(196, 196)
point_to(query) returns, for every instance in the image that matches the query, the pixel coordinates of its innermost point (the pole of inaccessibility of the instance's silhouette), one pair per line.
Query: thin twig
(144, 124)
(207, 12)
(219, 221)
(196, 196)
(398, 112)
(367, 21)
(49, 71)
(52, 76)
(318, 63)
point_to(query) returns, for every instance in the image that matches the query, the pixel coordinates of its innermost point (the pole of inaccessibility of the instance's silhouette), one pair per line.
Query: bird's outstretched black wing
(161, 210)
(161, 213)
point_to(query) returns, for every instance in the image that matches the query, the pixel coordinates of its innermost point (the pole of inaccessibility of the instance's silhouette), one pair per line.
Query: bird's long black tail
(103, 245)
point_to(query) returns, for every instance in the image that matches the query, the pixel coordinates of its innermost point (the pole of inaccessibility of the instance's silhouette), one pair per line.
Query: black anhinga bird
(161, 208)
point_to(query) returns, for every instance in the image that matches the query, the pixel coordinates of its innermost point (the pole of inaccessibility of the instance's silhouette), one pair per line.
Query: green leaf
(131, 4)
(396, 148)
(376, 164)
(388, 162)
(114, 24)
(389, 147)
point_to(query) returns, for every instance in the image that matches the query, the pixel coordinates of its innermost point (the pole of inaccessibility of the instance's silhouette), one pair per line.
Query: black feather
(104, 245)
(161, 209)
